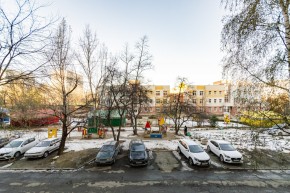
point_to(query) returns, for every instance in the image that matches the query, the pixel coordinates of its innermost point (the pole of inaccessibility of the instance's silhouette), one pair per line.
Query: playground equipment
(162, 129)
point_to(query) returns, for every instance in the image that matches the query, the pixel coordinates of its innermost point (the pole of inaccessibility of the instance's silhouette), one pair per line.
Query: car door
(181, 147)
(52, 146)
(25, 146)
(184, 149)
(215, 148)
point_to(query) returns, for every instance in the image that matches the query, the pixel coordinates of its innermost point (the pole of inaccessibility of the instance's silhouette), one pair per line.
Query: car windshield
(138, 147)
(43, 144)
(138, 154)
(14, 144)
(227, 147)
(107, 148)
(105, 154)
(195, 149)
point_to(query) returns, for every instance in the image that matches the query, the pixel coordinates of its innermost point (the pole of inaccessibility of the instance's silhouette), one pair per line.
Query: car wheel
(222, 158)
(208, 148)
(17, 154)
(178, 150)
(45, 154)
(191, 162)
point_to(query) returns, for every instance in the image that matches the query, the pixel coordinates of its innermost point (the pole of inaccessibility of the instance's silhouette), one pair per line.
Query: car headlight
(227, 156)
(196, 159)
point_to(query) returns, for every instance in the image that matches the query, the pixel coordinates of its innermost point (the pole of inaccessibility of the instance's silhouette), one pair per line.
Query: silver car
(43, 148)
(17, 147)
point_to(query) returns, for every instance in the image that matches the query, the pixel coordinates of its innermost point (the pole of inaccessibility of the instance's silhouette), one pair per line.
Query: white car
(193, 152)
(17, 147)
(225, 151)
(43, 148)
(279, 129)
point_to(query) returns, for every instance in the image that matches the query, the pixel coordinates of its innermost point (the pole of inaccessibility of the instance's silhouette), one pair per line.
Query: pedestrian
(185, 130)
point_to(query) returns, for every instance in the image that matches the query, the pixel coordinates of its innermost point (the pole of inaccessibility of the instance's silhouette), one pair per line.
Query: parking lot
(80, 153)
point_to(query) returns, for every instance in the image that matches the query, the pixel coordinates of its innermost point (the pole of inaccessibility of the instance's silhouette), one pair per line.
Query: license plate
(138, 162)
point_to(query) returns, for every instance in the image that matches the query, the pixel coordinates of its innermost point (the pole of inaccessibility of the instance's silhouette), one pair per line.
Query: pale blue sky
(184, 35)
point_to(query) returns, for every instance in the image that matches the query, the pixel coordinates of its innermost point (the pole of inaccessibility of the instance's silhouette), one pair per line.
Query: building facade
(215, 99)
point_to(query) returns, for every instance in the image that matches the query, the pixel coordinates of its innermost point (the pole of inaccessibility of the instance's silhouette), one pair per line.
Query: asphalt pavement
(140, 180)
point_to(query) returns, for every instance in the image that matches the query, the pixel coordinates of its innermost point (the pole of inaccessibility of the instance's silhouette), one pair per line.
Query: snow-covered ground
(241, 139)
(245, 139)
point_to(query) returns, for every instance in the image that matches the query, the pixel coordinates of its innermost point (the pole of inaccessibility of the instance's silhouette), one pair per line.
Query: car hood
(233, 154)
(201, 156)
(6, 149)
(36, 149)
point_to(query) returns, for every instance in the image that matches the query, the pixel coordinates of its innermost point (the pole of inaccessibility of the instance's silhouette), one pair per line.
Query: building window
(201, 101)
(157, 101)
(209, 100)
(220, 100)
(201, 109)
(209, 92)
(214, 100)
(158, 110)
(209, 109)
(165, 93)
(214, 92)
(221, 109)
(158, 93)
(220, 92)
(194, 93)
(226, 98)
(201, 93)
(164, 101)
(215, 109)
(194, 101)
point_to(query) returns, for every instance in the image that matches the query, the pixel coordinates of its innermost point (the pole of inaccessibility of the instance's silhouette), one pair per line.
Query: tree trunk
(135, 127)
(284, 8)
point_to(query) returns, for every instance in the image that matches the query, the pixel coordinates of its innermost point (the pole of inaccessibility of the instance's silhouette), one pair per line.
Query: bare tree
(64, 80)
(23, 37)
(93, 58)
(117, 91)
(141, 62)
(179, 107)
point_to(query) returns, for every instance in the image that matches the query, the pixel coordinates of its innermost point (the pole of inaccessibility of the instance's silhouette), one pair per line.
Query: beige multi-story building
(211, 99)
(158, 95)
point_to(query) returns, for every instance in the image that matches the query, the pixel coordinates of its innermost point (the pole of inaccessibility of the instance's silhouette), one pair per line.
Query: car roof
(50, 139)
(221, 141)
(189, 142)
(23, 139)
